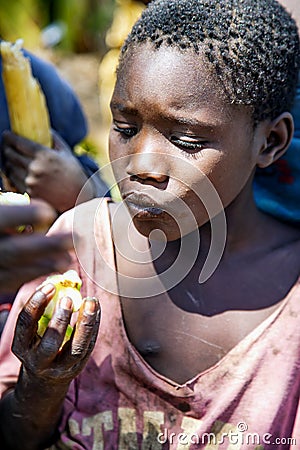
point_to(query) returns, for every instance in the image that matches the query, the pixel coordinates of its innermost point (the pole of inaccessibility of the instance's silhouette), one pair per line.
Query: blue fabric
(90, 167)
(66, 115)
(277, 188)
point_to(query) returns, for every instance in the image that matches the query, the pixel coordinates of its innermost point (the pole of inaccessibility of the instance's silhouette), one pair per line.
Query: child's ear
(279, 133)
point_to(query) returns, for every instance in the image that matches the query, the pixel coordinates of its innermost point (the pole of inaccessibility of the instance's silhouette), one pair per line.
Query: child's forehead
(252, 45)
(169, 68)
(168, 82)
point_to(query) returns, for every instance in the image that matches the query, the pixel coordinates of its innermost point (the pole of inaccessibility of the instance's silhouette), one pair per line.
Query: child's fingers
(29, 316)
(54, 335)
(86, 328)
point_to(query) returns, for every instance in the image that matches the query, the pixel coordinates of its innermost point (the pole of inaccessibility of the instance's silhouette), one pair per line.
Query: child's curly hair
(253, 46)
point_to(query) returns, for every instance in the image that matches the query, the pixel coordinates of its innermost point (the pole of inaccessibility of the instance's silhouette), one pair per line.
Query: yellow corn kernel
(26, 102)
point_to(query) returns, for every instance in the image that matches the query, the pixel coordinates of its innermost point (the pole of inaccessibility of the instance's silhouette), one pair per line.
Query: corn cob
(26, 102)
(66, 284)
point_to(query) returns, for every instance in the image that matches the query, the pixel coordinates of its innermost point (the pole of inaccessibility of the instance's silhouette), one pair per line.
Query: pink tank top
(249, 400)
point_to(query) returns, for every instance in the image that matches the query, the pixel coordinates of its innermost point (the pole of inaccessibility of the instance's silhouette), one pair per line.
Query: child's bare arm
(29, 414)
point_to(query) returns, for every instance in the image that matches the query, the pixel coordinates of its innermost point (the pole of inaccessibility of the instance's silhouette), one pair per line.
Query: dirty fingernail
(48, 289)
(66, 303)
(90, 305)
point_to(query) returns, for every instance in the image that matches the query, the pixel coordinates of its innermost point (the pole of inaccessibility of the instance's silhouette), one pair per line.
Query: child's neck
(255, 246)
(246, 230)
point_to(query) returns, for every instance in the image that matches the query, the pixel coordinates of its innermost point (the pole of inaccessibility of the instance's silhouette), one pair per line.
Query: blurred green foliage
(18, 18)
(83, 22)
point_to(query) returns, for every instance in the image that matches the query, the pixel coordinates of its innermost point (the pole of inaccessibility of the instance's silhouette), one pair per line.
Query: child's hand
(27, 256)
(44, 360)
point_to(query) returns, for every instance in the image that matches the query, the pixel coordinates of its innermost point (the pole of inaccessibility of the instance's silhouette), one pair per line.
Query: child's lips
(142, 205)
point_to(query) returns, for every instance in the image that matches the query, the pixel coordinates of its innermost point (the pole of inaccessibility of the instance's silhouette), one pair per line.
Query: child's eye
(126, 131)
(188, 143)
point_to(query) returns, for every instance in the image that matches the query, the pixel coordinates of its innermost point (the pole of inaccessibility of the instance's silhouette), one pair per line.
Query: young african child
(203, 97)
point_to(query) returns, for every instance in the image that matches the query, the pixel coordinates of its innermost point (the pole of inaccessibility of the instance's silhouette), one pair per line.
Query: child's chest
(180, 344)
(190, 329)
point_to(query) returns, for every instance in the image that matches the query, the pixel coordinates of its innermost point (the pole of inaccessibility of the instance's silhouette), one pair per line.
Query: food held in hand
(67, 284)
(26, 102)
(13, 198)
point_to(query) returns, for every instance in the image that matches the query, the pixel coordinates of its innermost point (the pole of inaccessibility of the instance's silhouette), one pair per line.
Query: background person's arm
(27, 256)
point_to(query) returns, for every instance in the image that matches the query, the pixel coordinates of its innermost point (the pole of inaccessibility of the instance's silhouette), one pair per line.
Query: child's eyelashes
(126, 132)
(188, 144)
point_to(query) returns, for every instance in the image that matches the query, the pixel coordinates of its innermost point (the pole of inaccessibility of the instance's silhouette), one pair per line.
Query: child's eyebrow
(192, 122)
(124, 109)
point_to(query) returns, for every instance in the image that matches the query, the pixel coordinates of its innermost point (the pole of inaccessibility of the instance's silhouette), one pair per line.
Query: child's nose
(148, 161)
(146, 166)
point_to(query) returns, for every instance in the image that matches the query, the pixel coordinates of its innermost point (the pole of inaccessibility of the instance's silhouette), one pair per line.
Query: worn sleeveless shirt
(248, 400)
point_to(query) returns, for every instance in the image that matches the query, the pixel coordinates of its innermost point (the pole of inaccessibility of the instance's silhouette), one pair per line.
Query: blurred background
(82, 38)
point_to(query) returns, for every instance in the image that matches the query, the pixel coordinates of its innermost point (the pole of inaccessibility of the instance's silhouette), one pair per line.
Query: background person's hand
(54, 175)
(25, 256)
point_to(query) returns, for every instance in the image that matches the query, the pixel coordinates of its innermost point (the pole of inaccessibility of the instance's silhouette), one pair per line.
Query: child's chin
(158, 230)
